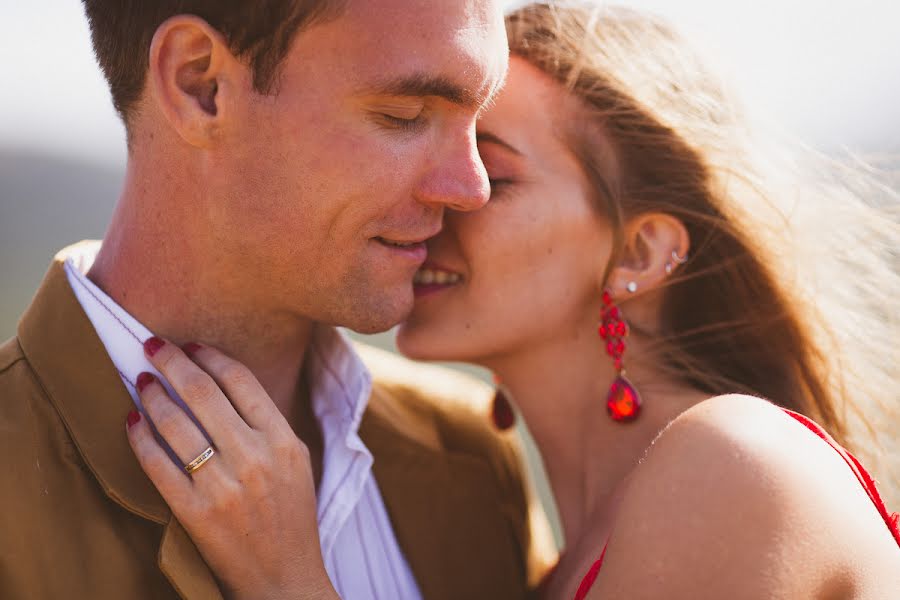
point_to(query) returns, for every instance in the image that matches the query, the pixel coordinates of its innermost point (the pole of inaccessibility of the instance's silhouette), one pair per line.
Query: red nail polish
(134, 418)
(152, 345)
(143, 380)
(190, 348)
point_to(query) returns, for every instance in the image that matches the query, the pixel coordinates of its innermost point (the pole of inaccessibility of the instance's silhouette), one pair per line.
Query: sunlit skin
(522, 296)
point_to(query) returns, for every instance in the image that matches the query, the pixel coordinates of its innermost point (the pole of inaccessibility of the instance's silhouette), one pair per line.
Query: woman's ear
(655, 246)
(191, 70)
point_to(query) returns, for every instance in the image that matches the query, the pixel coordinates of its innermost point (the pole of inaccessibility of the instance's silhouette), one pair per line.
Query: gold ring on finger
(200, 460)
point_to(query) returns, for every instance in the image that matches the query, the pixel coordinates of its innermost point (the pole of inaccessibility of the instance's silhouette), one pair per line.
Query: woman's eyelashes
(502, 172)
(498, 185)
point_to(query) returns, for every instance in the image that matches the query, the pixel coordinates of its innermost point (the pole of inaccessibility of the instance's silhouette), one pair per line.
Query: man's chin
(371, 328)
(381, 315)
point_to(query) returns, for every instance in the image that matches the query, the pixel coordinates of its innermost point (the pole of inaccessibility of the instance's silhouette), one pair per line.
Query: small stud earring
(632, 286)
(668, 268)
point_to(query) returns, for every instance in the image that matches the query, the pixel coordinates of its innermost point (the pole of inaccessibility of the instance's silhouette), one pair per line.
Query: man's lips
(399, 243)
(413, 252)
(407, 239)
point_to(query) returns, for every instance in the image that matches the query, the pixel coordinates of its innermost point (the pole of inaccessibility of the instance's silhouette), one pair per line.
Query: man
(286, 162)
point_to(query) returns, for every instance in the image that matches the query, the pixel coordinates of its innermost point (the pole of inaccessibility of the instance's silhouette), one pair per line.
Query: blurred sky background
(826, 73)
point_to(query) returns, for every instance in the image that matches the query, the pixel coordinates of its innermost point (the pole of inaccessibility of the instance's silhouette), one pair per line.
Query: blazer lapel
(74, 369)
(444, 509)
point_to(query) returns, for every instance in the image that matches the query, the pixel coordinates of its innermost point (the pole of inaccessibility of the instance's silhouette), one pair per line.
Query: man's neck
(247, 336)
(166, 288)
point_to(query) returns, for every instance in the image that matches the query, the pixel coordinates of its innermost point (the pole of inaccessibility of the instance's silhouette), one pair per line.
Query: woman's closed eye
(498, 184)
(501, 161)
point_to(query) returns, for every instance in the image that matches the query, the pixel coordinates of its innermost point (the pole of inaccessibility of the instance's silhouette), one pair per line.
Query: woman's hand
(251, 507)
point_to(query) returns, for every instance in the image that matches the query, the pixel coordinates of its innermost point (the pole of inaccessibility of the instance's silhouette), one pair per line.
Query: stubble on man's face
(337, 162)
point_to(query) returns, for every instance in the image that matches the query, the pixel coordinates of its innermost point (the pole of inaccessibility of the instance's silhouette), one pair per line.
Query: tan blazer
(79, 519)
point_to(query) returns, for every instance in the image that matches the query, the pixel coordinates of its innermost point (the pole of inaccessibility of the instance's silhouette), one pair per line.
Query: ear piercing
(678, 260)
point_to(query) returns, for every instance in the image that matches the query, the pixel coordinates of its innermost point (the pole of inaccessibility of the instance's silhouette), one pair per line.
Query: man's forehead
(455, 12)
(458, 41)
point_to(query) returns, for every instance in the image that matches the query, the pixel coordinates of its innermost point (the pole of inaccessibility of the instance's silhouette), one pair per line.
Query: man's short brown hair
(260, 31)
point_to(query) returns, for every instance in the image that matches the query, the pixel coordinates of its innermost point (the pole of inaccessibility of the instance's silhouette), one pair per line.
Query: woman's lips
(432, 278)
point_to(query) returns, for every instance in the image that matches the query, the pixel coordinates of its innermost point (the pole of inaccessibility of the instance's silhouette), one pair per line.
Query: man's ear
(191, 70)
(655, 246)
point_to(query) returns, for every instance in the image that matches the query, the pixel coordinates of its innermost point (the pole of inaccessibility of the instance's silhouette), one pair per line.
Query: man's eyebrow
(421, 86)
(484, 136)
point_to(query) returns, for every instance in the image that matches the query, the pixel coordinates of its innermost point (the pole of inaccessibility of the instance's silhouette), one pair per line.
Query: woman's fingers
(253, 503)
(199, 391)
(172, 423)
(172, 482)
(240, 385)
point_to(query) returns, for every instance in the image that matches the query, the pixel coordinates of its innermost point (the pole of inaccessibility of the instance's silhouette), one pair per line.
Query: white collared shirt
(361, 553)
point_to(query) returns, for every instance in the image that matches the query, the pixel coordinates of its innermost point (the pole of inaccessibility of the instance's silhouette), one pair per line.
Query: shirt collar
(122, 335)
(340, 387)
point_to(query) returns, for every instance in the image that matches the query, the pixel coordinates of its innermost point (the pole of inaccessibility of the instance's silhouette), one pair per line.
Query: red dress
(891, 520)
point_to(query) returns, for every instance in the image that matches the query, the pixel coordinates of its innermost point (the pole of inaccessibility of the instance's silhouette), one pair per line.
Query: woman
(623, 192)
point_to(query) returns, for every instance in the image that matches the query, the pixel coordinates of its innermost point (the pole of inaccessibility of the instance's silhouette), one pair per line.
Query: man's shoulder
(16, 376)
(445, 410)
(438, 407)
(10, 354)
(20, 392)
(27, 419)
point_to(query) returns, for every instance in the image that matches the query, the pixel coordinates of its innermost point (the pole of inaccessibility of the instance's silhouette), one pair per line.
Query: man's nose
(458, 179)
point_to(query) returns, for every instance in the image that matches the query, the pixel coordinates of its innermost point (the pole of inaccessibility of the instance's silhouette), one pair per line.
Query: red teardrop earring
(502, 412)
(623, 403)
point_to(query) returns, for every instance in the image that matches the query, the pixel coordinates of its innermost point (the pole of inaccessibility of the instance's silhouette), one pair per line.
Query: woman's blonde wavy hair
(792, 286)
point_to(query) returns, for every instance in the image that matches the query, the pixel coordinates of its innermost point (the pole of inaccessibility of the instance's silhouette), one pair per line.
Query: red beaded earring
(502, 412)
(623, 403)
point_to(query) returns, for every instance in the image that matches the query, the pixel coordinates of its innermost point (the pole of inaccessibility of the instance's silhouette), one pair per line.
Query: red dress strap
(591, 576)
(866, 480)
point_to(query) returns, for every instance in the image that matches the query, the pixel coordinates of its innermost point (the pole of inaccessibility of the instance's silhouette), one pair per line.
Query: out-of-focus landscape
(826, 74)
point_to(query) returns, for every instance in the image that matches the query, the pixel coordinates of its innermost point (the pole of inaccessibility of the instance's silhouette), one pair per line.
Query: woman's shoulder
(736, 453)
(738, 417)
(746, 452)
(744, 438)
(735, 494)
